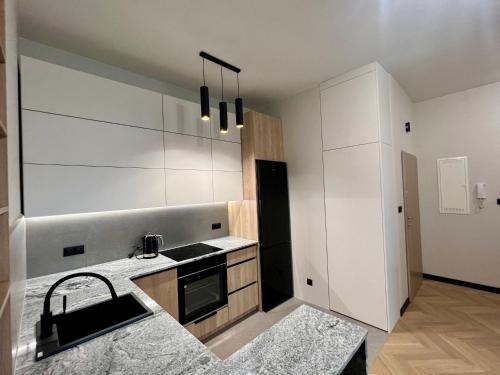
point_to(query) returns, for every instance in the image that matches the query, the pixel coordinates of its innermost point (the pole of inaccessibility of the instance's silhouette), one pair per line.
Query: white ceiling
(432, 47)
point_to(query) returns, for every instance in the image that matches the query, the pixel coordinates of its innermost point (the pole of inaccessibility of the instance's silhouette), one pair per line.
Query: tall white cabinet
(360, 200)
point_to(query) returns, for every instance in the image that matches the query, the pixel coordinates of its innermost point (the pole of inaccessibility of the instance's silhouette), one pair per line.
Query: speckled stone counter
(160, 345)
(307, 341)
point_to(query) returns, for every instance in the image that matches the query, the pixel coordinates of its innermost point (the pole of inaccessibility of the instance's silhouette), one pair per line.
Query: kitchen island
(306, 341)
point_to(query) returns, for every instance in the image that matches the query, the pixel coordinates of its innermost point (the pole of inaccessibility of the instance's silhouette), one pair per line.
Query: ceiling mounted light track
(205, 100)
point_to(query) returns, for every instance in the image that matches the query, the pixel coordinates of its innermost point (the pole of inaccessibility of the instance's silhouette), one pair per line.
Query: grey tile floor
(245, 331)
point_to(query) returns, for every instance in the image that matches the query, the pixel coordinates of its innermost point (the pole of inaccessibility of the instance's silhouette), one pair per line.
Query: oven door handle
(203, 270)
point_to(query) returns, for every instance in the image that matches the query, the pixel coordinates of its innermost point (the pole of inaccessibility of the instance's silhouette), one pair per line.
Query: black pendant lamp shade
(205, 103)
(238, 103)
(222, 107)
(204, 98)
(223, 117)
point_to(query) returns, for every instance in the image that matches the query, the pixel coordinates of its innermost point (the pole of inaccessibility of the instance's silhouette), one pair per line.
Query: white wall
(16, 220)
(401, 112)
(467, 123)
(301, 118)
(94, 144)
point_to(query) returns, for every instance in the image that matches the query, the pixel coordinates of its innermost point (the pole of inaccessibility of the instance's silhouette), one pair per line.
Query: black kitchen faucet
(46, 319)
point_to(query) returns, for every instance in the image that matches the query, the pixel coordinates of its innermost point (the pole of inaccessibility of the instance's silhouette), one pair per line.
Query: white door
(354, 233)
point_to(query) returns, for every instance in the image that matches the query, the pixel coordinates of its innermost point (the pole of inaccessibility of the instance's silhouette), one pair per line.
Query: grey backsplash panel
(110, 236)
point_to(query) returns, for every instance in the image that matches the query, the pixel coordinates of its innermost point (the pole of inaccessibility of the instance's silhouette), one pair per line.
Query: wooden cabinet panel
(5, 340)
(162, 287)
(243, 301)
(241, 275)
(241, 255)
(209, 325)
(267, 136)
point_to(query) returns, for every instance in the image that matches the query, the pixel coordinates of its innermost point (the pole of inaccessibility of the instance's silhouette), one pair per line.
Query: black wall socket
(498, 201)
(73, 250)
(400, 209)
(407, 127)
(216, 226)
(309, 282)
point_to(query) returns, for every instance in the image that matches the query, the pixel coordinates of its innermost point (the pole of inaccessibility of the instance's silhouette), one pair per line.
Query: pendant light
(222, 108)
(238, 103)
(204, 98)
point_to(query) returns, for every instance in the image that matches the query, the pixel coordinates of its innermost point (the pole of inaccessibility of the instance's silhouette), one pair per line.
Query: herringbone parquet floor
(447, 329)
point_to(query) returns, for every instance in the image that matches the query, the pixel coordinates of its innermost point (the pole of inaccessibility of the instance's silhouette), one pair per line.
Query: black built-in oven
(202, 288)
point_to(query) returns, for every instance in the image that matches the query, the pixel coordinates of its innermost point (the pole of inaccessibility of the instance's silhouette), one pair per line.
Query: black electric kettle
(151, 243)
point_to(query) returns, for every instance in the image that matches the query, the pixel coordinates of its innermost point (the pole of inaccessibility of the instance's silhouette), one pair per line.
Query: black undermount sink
(65, 330)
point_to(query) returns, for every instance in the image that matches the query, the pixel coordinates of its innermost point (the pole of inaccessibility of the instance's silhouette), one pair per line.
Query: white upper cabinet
(55, 139)
(183, 116)
(226, 156)
(188, 187)
(349, 112)
(233, 133)
(187, 152)
(93, 144)
(56, 89)
(228, 186)
(56, 190)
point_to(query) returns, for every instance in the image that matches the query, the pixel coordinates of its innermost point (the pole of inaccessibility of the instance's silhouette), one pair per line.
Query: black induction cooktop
(190, 251)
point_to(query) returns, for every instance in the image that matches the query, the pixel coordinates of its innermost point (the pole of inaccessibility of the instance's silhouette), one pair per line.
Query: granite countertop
(160, 345)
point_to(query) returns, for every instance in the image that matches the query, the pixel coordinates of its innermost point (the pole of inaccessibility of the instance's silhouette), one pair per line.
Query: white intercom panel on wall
(453, 183)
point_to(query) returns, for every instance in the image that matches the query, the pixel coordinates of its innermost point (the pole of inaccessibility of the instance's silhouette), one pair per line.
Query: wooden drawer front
(162, 287)
(241, 255)
(243, 301)
(241, 275)
(209, 325)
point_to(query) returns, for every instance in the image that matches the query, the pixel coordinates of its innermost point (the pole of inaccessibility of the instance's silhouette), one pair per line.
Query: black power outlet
(400, 209)
(498, 201)
(73, 250)
(407, 127)
(309, 282)
(216, 226)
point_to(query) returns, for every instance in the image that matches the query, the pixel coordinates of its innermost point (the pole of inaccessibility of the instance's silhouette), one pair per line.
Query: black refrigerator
(274, 233)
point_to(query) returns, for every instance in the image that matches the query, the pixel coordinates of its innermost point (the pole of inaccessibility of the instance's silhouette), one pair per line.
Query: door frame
(411, 293)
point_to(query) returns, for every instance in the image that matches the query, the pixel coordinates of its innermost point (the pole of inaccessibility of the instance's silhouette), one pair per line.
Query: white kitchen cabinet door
(354, 233)
(226, 156)
(233, 134)
(188, 187)
(56, 89)
(55, 139)
(228, 186)
(183, 116)
(349, 112)
(187, 152)
(55, 190)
